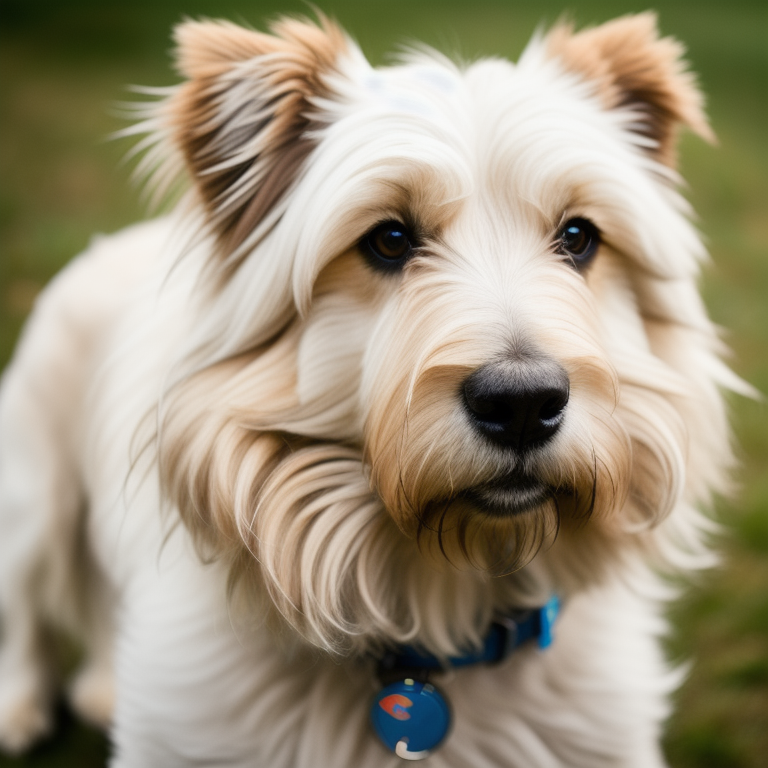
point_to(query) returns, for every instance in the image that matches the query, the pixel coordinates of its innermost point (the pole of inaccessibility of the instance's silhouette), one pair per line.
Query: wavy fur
(282, 477)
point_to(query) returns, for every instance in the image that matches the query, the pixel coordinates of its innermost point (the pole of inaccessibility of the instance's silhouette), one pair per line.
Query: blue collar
(504, 636)
(410, 715)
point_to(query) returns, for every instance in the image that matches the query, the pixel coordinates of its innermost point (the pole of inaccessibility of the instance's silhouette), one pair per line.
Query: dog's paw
(24, 715)
(92, 695)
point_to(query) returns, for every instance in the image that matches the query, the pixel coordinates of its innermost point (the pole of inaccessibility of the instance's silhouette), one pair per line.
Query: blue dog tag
(411, 718)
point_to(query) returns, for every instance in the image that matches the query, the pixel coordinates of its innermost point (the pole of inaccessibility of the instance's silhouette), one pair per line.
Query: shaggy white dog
(308, 459)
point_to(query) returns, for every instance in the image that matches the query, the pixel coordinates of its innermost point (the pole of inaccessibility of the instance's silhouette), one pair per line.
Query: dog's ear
(243, 118)
(635, 68)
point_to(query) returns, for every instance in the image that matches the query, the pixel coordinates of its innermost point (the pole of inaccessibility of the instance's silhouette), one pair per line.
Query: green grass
(63, 66)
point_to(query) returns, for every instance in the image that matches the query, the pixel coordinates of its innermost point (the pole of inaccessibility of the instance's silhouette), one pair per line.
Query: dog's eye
(579, 239)
(388, 245)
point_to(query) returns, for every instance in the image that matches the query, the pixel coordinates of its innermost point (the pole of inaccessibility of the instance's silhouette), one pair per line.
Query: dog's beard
(499, 526)
(463, 532)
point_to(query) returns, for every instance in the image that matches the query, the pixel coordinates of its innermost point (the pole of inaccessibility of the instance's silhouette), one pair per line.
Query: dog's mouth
(511, 494)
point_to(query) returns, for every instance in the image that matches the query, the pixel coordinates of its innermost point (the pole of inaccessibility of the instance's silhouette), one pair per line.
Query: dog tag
(411, 718)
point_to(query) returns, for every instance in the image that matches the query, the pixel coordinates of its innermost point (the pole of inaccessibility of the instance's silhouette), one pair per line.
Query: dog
(390, 439)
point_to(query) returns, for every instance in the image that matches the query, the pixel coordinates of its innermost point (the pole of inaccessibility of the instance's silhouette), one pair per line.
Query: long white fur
(245, 635)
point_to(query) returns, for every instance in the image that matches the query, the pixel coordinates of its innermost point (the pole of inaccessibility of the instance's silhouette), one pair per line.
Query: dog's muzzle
(518, 405)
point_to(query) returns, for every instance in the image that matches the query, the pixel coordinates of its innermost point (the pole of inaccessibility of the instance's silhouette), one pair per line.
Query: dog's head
(449, 315)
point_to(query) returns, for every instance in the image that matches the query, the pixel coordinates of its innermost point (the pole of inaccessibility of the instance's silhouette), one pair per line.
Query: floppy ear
(242, 119)
(633, 67)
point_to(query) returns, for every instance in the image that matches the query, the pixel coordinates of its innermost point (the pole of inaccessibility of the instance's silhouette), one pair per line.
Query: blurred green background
(64, 66)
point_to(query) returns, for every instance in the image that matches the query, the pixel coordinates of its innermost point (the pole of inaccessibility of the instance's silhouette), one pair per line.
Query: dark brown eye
(579, 239)
(388, 245)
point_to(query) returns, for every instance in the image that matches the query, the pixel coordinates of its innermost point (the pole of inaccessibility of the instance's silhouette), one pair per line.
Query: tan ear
(243, 117)
(633, 67)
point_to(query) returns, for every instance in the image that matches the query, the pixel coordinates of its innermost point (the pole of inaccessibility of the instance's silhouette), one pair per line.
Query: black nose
(518, 403)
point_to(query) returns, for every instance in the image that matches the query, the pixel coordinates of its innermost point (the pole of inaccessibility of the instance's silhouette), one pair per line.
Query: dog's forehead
(492, 111)
(423, 87)
(518, 128)
(429, 86)
(415, 89)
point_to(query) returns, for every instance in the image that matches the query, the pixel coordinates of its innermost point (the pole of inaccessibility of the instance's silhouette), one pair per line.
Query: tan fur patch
(632, 66)
(242, 119)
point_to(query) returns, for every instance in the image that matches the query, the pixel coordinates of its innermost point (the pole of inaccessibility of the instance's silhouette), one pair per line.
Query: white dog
(304, 464)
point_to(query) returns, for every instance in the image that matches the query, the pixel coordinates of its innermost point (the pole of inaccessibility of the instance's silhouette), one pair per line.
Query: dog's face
(454, 317)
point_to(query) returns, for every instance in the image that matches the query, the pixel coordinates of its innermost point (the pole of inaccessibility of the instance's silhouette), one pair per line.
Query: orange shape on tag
(396, 705)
